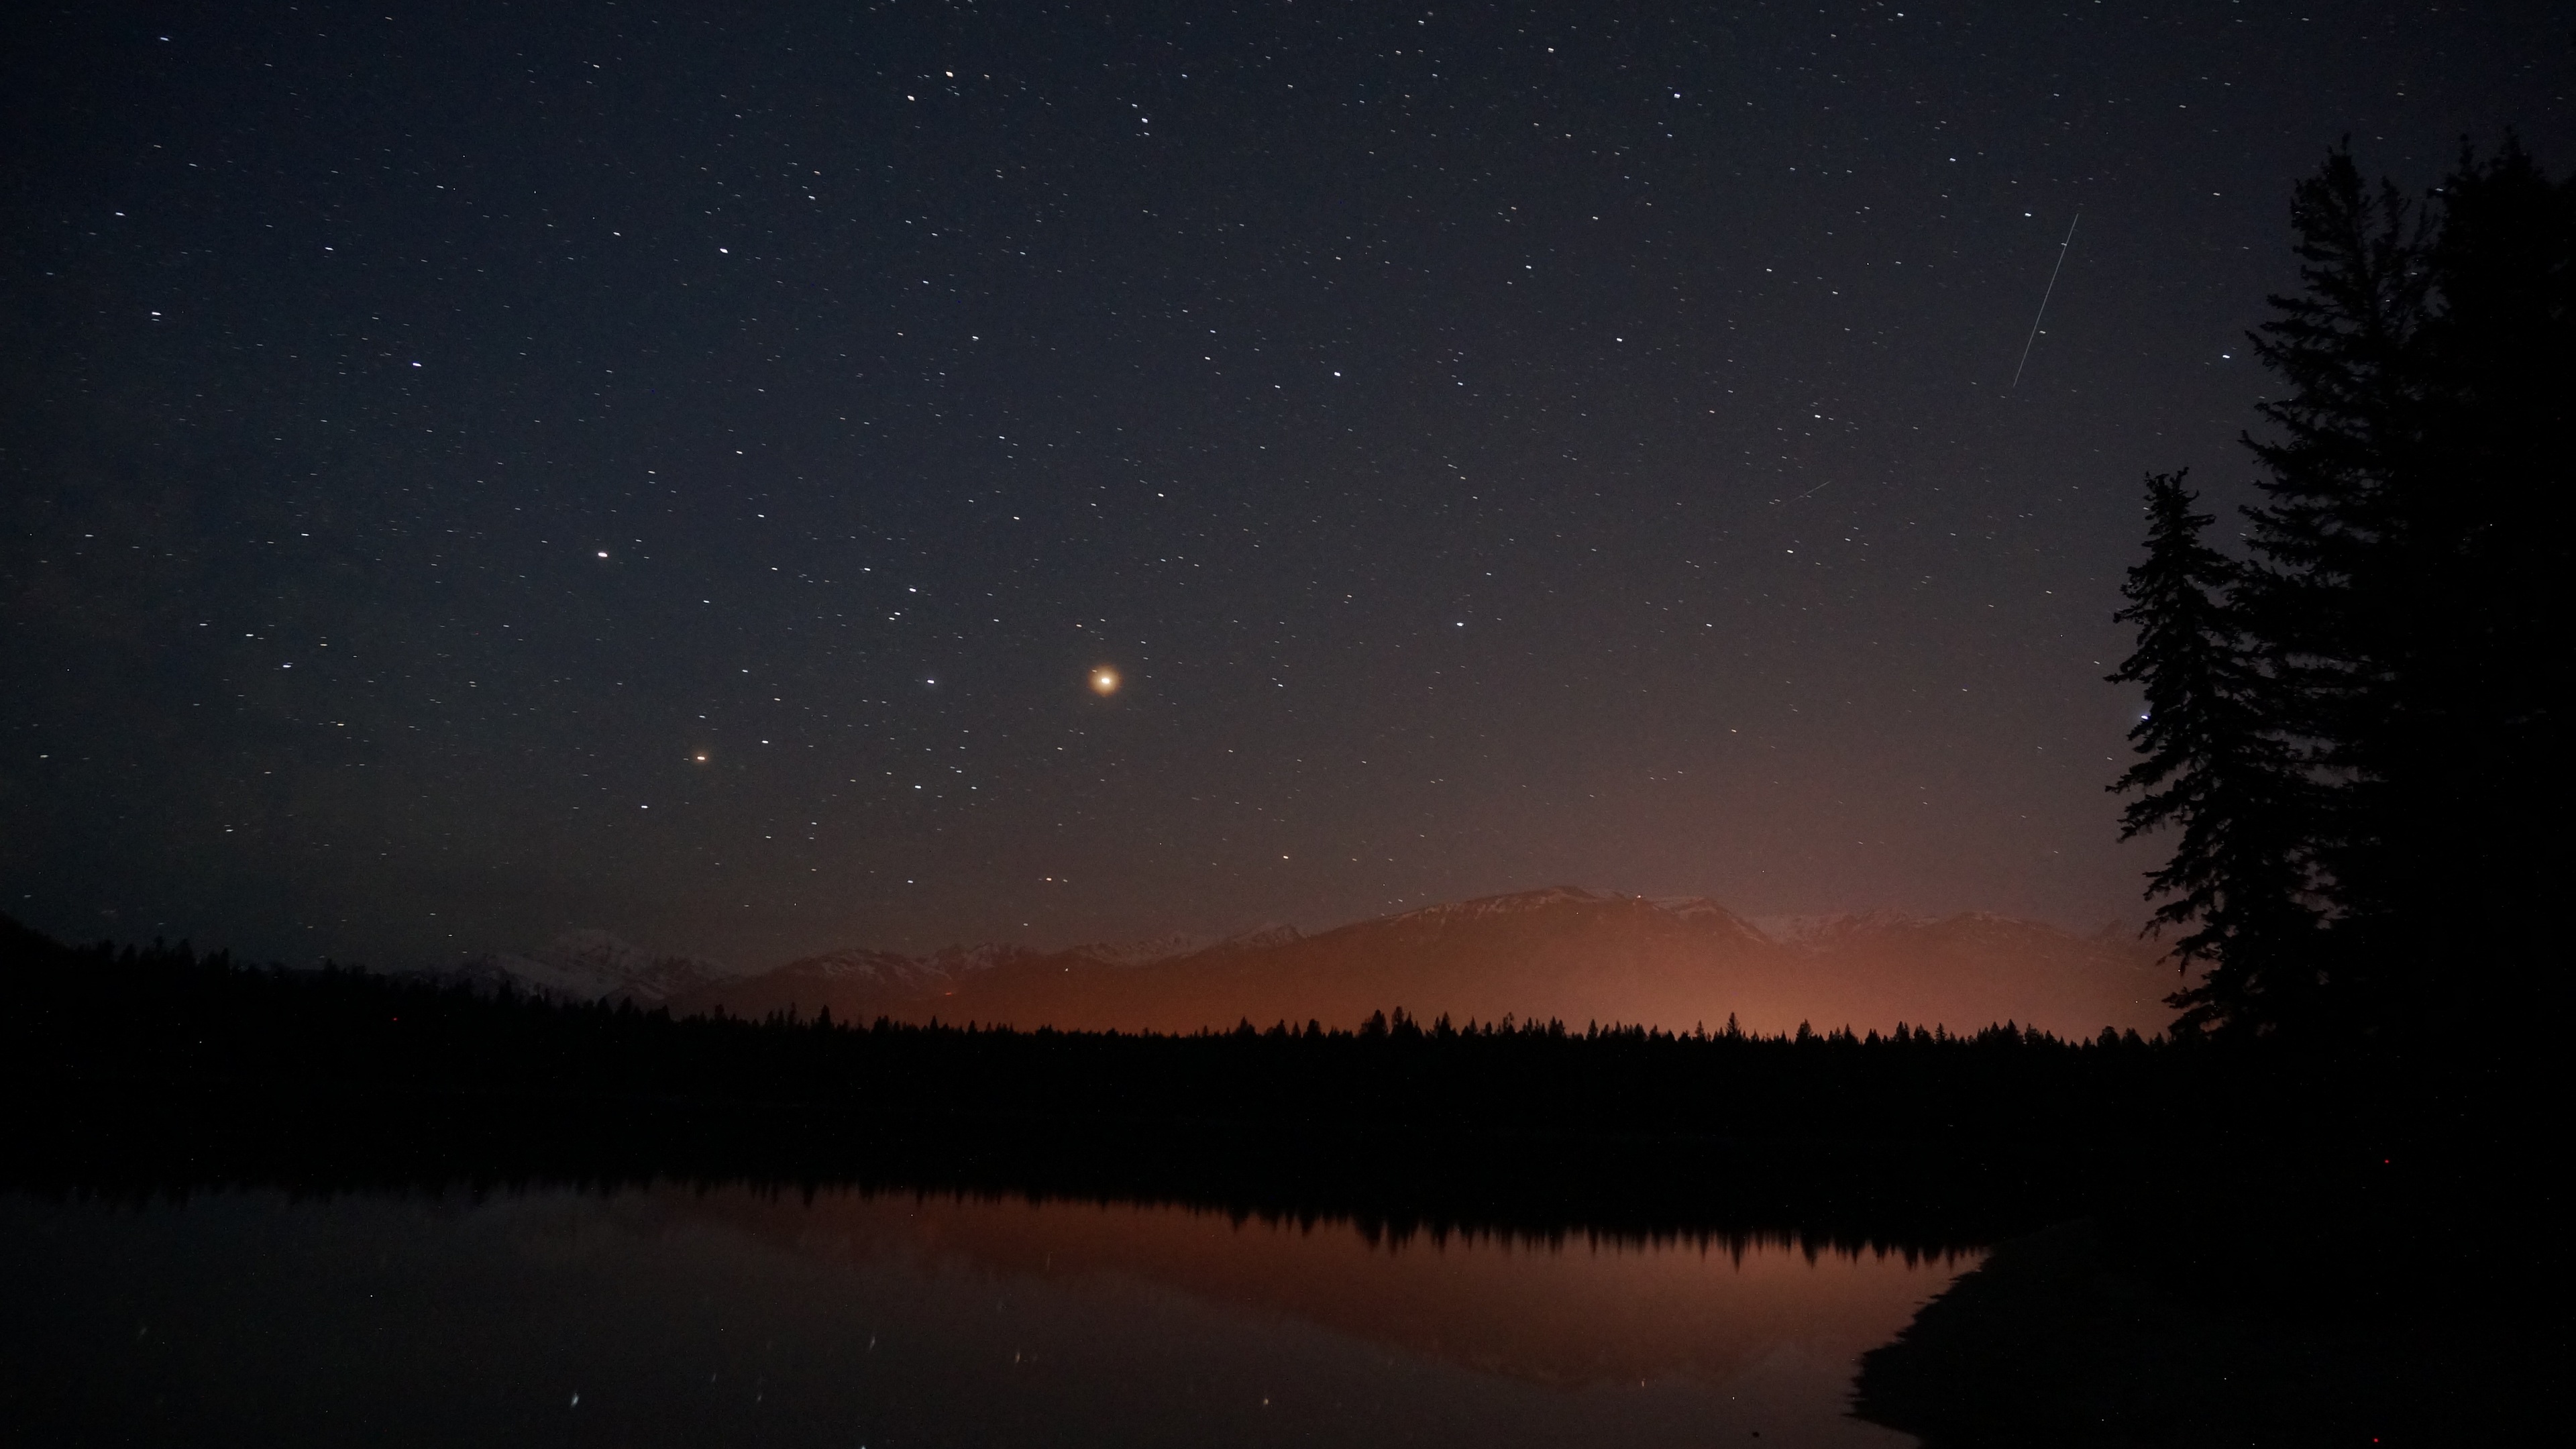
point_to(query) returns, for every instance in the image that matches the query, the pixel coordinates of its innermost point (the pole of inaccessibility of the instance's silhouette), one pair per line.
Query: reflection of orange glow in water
(1572, 1315)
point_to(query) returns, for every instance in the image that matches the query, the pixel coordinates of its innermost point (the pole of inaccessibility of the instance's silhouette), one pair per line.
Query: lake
(737, 1315)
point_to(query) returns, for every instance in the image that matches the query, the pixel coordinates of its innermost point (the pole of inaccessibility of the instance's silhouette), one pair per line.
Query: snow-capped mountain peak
(595, 966)
(1144, 951)
(1261, 937)
(1512, 903)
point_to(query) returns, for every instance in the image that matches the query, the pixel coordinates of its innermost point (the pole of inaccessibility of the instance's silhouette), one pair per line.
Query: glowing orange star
(1104, 681)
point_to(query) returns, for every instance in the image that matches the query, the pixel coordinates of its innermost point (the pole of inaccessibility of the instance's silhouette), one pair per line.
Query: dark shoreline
(2070, 1336)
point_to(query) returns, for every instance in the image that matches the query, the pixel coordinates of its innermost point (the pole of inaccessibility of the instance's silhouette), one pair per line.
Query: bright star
(1104, 681)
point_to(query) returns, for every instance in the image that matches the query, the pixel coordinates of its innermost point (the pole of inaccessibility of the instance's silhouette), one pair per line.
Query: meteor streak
(2043, 301)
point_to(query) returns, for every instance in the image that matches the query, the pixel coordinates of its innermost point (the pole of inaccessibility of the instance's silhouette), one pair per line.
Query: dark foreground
(2198, 1245)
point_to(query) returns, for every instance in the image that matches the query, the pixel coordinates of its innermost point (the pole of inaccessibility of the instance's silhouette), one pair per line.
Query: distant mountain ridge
(1565, 953)
(594, 966)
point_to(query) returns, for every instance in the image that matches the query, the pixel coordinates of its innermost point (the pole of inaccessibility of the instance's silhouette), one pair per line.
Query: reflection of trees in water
(1574, 1310)
(740, 1317)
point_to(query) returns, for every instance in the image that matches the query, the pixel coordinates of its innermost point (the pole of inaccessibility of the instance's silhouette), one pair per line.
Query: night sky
(477, 470)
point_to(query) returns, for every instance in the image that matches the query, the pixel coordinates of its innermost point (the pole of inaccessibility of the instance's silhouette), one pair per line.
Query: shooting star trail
(2043, 301)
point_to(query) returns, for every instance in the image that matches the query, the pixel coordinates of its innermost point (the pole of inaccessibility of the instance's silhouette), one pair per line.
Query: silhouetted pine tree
(2459, 771)
(2318, 597)
(2217, 771)
(2393, 668)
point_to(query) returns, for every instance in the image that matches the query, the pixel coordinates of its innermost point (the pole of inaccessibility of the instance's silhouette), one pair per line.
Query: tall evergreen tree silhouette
(2316, 597)
(2391, 680)
(2216, 770)
(2460, 761)
(2414, 541)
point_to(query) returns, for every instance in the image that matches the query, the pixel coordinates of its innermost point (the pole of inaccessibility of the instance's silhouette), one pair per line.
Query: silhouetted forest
(164, 1017)
(158, 1066)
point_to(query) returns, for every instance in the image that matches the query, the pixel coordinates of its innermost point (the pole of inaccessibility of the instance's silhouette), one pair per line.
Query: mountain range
(1579, 956)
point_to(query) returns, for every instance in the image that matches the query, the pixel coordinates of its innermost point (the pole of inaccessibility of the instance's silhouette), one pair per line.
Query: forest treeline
(160, 1020)
(2357, 696)
(158, 1069)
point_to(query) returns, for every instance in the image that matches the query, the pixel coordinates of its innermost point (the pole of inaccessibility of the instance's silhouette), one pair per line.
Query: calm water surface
(741, 1317)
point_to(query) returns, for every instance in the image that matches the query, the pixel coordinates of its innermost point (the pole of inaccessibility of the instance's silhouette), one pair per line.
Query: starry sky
(479, 470)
